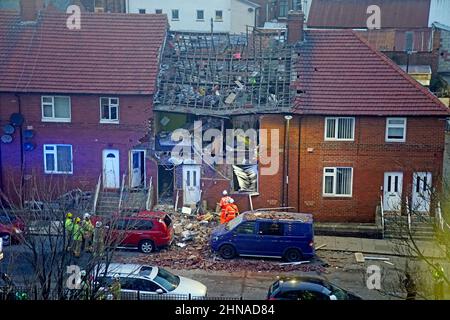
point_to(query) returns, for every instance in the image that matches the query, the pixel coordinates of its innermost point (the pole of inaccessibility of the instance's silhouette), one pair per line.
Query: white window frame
(334, 175)
(336, 129)
(196, 15)
(388, 126)
(178, 11)
(215, 16)
(52, 104)
(114, 121)
(55, 154)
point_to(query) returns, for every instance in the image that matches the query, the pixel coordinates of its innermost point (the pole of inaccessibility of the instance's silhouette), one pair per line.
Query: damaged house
(347, 131)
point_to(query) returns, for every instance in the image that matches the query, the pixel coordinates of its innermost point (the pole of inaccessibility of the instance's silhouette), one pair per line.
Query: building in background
(233, 16)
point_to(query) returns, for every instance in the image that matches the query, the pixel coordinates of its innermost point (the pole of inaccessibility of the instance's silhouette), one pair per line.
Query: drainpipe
(299, 158)
(285, 194)
(22, 161)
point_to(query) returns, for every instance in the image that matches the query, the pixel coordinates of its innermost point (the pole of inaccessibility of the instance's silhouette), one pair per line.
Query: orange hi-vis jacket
(231, 211)
(223, 204)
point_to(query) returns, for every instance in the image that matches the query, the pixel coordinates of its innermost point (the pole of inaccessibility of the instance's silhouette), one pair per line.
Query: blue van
(266, 234)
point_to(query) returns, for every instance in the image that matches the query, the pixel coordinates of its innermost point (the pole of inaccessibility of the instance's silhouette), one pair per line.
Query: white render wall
(241, 17)
(439, 12)
(235, 16)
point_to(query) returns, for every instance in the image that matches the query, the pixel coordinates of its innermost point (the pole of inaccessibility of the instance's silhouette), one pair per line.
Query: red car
(10, 228)
(146, 230)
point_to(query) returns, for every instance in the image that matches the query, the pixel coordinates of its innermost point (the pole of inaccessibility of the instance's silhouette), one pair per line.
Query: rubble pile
(190, 250)
(277, 215)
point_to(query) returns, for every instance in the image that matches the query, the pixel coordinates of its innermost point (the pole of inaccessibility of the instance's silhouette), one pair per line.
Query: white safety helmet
(224, 192)
(231, 200)
(87, 216)
(98, 224)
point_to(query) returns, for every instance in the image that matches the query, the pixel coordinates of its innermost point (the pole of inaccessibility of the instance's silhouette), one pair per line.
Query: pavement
(377, 246)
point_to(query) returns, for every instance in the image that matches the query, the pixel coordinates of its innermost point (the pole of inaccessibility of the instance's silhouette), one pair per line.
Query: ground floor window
(58, 158)
(337, 181)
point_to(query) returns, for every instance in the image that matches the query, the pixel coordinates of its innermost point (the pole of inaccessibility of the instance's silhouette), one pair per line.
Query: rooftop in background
(340, 74)
(112, 53)
(223, 74)
(352, 14)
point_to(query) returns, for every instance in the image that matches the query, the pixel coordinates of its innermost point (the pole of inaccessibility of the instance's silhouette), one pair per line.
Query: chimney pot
(295, 25)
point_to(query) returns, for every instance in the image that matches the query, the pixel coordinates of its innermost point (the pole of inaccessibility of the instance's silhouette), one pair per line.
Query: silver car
(143, 282)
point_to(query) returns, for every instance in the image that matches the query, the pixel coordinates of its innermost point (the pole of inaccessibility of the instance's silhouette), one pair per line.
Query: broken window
(245, 178)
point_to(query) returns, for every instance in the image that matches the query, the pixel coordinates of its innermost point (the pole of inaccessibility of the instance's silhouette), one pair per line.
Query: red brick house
(85, 97)
(353, 127)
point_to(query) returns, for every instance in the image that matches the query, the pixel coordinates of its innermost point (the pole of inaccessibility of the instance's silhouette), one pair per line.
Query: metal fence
(24, 293)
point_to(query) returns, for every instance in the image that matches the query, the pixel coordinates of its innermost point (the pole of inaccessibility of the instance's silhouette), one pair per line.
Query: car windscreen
(167, 280)
(233, 223)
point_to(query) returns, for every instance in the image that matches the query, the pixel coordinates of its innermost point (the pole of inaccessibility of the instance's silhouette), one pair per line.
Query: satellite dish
(29, 146)
(28, 134)
(16, 119)
(6, 138)
(8, 129)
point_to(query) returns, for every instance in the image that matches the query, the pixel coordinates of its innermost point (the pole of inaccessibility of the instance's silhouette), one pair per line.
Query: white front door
(191, 184)
(137, 168)
(392, 195)
(421, 194)
(111, 169)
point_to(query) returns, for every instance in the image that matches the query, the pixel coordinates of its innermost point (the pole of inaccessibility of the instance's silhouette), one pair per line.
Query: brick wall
(369, 155)
(86, 135)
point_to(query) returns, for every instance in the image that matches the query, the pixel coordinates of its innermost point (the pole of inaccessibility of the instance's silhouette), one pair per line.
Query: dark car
(308, 288)
(146, 231)
(279, 235)
(11, 227)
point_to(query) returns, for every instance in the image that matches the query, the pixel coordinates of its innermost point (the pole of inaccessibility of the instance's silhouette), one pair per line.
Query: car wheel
(146, 246)
(6, 239)
(293, 255)
(227, 251)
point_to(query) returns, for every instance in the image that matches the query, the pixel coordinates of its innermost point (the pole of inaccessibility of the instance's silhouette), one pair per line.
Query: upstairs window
(219, 15)
(200, 15)
(158, 11)
(55, 108)
(175, 14)
(109, 110)
(340, 129)
(142, 11)
(396, 129)
(284, 8)
(58, 158)
(409, 41)
(337, 182)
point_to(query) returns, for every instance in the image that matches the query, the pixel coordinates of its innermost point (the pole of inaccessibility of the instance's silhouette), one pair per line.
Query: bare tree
(41, 206)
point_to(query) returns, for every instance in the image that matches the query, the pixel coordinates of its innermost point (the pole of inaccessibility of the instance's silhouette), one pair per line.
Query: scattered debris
(294, 263)
(321, 246)
(389, 263)
(181, 244)
(186, 210)
(359, 257)
(377, 258)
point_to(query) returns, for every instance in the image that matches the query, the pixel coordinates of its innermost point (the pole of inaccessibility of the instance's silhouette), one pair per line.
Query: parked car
(143, 280)
(146, 231)
(267, 234)
(11, 228)
(308, 288)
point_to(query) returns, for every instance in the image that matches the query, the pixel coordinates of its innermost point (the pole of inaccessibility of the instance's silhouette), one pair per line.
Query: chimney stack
(29, 9)
(295, 24)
